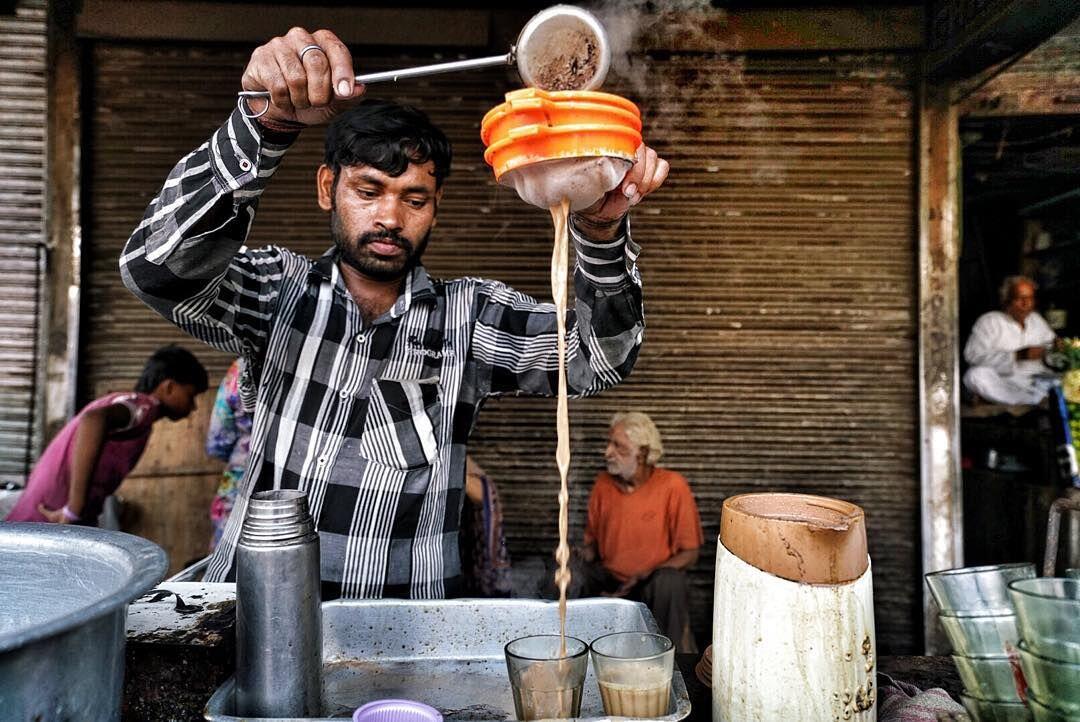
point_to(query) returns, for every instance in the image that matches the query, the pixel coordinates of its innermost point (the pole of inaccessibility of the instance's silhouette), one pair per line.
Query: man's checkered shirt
(370, 420)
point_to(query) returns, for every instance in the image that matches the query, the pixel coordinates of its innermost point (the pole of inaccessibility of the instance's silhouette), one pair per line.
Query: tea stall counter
(181, 648)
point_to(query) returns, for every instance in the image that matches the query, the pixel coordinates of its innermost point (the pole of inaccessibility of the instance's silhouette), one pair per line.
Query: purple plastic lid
(396, 710)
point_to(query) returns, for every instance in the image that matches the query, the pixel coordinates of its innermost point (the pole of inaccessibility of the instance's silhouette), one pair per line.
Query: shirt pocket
(402, 425)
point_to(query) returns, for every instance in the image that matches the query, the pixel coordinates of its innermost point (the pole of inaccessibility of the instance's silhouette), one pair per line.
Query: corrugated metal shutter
(779, 265)
(22, 156)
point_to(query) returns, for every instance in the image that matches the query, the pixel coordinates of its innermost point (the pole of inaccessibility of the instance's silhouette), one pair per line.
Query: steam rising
(708, 80)
(630, 23)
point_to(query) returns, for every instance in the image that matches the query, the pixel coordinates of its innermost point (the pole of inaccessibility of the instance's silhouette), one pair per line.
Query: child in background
(228, 439)
(92, 454)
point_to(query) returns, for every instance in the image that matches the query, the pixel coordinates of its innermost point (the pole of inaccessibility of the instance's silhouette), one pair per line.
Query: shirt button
(344, 394)
(361, 338)
(321, 461)
(245, 165)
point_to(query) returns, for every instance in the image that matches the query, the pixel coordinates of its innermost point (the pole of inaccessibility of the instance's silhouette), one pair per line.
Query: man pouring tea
(365, 374)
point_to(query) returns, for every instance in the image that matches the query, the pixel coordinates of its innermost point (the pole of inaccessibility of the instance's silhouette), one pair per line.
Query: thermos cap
(396, 710)
(277, 517)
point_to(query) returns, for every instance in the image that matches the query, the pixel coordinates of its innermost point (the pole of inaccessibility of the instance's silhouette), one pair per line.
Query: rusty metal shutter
(22, 156)
(779, 270)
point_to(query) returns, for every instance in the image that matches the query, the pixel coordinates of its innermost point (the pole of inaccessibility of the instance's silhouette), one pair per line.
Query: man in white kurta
(1006, 349)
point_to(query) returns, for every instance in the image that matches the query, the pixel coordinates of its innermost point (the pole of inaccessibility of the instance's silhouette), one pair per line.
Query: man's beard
(357, 252)
(620, 470)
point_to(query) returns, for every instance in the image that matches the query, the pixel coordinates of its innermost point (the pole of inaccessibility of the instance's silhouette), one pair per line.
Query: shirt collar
(323, 267)
(418, 284)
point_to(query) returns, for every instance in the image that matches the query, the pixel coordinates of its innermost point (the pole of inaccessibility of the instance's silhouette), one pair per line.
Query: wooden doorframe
(59, 361)
(941, 482)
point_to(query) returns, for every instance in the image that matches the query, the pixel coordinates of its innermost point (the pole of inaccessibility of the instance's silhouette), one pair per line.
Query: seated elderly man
(1006, 349)
(643, 528)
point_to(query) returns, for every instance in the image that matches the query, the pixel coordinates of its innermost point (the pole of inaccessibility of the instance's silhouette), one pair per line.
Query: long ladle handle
(393, 76)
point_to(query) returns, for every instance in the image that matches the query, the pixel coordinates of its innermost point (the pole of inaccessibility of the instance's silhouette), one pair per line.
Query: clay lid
(804, 538)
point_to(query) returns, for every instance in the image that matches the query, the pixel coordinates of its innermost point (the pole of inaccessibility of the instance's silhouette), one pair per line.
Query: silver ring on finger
(307, 49)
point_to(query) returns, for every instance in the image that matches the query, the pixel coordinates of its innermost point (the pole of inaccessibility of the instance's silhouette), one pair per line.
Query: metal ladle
(550, 43)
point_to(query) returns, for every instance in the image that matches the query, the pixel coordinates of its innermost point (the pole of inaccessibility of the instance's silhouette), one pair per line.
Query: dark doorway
(1021, 189)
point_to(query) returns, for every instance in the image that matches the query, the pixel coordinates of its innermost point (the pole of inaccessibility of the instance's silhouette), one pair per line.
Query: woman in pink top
(92, 454)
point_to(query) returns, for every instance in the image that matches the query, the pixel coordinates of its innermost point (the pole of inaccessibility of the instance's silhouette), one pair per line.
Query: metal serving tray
(449, 654)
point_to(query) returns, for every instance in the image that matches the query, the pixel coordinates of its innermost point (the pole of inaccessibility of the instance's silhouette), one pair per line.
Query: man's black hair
(386, 136)
(172, 362)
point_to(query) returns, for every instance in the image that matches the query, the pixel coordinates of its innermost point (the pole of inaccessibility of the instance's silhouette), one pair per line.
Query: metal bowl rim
(148, 562)
(584, 16)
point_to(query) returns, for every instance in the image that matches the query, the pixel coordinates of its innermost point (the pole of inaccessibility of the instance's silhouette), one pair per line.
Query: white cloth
(995, 373)
(582, 181)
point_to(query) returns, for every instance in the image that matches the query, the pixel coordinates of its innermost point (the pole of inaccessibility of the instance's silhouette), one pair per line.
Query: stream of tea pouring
(575, 191)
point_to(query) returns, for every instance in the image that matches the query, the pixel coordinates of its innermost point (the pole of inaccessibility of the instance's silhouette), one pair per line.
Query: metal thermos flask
(278, 614)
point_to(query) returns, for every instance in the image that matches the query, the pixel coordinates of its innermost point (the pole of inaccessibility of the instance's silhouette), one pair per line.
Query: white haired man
(644, 527)
(1007, 348)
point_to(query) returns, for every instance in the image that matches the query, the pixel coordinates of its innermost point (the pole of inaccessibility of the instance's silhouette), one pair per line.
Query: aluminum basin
(64, 591)
(449, 654)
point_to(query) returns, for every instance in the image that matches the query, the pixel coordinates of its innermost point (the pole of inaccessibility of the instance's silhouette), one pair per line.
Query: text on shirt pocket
(402, 424)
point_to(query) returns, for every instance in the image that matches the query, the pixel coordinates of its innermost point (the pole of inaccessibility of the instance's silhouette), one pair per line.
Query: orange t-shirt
(637, 532)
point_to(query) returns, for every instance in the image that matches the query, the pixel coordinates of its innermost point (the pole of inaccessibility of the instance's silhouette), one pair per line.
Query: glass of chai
(634, 670)
(546, 681)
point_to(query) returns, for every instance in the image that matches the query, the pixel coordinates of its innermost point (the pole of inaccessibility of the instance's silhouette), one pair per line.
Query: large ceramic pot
(65, 591)
(793, 623)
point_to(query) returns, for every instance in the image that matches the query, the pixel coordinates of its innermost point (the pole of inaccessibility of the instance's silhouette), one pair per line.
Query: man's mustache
(385, 237)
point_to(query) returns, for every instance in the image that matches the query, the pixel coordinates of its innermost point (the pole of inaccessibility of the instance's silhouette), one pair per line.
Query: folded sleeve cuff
(607, 263)
(244, 154)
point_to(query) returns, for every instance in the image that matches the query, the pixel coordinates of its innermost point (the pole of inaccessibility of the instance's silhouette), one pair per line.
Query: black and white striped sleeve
(515, 337)
(184, 259)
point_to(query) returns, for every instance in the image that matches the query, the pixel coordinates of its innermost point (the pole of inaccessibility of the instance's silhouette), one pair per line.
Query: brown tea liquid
(555, 702)
(559, 258)
(636, 700)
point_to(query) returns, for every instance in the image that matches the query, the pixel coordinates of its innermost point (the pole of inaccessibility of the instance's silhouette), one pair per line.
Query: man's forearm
(608, 231)
(89, 439)
(682, 560)
(200, 217)
(610, 317)
(1030, 353)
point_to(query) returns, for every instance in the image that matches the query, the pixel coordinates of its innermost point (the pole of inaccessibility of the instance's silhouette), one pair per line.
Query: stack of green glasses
(1048, 612)
(978, 617)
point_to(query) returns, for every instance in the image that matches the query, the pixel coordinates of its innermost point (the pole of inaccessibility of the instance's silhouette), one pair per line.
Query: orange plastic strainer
(534, 126)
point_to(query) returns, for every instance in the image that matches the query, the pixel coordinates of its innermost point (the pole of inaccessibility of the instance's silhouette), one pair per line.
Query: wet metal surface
(177, 657)
(184, 613)
(449, 654)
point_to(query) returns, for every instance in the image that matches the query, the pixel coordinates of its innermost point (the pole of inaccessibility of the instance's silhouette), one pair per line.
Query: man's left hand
(646, 175)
